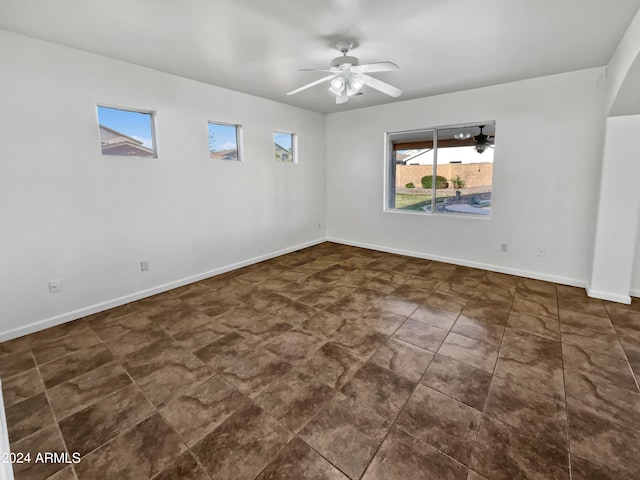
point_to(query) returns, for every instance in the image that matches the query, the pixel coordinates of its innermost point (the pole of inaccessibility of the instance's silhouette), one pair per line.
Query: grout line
(420, 383)
(55, 418)
(395, 424)
(355, 401)
(566, 399)
(329, 285)
(493, 376)
(626, 356)
(156, 411)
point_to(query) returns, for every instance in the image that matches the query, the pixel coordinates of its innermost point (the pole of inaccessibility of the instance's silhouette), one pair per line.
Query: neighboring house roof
(412, 156)
(113, 142)
(109, 135)
(224, 155)
(281, 149)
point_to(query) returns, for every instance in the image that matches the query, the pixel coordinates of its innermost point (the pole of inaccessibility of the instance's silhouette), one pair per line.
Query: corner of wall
(622, 60)
(612, 297)
(6, 472)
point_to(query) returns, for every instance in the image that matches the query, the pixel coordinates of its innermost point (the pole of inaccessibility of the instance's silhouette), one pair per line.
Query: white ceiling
(257, 46)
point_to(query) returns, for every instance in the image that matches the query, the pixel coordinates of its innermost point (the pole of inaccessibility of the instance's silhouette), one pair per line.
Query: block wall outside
(473, 174)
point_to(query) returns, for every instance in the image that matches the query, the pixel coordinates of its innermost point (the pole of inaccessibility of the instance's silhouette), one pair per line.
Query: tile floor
(335, 362)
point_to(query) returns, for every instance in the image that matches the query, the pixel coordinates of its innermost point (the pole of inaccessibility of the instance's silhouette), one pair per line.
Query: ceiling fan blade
(312, 84)
(382, 86)
(314, 70)
(342, 98)
(376, 67)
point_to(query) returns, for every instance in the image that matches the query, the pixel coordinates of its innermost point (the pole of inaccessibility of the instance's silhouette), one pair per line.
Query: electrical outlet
(541, 251)
(144, 265)
(55, 286)
(504, 247)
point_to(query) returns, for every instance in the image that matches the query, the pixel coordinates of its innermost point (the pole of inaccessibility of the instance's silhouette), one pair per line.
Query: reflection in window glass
(224, 141)
(465, 159)
(126, 133)
(284, 147)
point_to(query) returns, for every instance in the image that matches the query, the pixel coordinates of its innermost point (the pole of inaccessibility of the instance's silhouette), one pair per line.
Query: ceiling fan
(483, 141)
(348, 76)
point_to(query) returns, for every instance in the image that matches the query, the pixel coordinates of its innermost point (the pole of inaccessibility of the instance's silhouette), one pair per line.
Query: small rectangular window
(285, 147)
(444, 170)
(225, 141)
(126, 133)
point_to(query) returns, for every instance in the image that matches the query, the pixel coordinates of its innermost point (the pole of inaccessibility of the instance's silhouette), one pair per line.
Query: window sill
(438, 215)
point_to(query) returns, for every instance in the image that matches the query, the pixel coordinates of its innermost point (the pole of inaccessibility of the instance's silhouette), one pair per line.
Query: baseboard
(613, 297)
(466, 263)
(6, 472)
(116, 302)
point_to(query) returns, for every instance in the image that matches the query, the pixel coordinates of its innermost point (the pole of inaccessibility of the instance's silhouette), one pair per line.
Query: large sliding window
(442, 170)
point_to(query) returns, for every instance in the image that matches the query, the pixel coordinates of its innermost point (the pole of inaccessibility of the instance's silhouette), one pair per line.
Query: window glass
(451, 175)
(284, 147)
(224, 141)
(126, 133)
(412, 157)
(465, 162)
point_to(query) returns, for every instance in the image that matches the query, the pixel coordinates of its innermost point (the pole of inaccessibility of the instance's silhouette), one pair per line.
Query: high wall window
(442, 170)
(285, 147)
(225, 141)
(127, 133)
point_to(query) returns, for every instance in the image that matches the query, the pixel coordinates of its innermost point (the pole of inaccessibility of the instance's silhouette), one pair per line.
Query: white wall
(616, 263)
(635, 276)
(618, 211)
(549, 134)
(68, 213)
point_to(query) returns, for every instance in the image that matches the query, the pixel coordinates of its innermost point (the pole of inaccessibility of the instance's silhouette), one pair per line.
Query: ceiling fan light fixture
(337, 85)
(481, 140)
(354, 84)
(351, 83)
(481, 147)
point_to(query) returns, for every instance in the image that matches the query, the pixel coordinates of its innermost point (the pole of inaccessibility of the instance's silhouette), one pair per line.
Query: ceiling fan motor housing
(481, 140)
(345, 60)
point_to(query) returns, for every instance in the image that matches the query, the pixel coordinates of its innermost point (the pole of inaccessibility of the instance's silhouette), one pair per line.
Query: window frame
(239, 138)
(153, 124)
(390, 171)
(294, 146)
